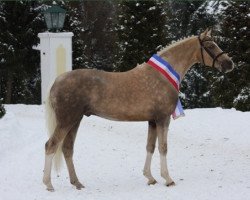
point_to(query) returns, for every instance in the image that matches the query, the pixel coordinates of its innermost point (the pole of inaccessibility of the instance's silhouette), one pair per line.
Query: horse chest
(165, 102)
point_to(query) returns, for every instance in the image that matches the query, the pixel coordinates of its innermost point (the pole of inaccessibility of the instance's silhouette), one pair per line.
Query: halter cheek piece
(214, 57)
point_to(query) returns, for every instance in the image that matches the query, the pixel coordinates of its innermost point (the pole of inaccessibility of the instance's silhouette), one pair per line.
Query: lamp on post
(55, 48)
(54, 18)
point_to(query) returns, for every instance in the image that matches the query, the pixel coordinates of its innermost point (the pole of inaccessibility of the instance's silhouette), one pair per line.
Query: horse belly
(123, 117)
(121, 112)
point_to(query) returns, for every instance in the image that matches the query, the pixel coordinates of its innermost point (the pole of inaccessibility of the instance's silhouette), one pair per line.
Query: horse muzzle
(226, 66)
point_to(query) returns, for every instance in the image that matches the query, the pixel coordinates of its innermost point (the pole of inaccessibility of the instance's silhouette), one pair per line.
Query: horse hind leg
(51, 147)
(152, 135)
(67, 148)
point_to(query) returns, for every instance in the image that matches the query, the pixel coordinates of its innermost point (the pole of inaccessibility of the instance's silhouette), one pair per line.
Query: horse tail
(51, 123)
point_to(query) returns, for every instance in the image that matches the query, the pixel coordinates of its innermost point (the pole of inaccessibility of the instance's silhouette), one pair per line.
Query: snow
(209, 158)
(122, 27)
(243, 95)
(211, 8)
(152, 8)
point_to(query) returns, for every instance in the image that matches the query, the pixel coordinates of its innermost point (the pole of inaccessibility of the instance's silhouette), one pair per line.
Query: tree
(2, 109)
(74, 23)
(184, 19)
(117, 35)
(235, 91)
(141, 32)
(19, 70)
(93, 40)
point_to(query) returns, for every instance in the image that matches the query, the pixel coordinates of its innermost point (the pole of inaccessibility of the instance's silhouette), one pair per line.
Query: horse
(140, 94)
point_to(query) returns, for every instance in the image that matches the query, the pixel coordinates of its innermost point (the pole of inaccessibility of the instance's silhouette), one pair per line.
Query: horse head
(212, 55)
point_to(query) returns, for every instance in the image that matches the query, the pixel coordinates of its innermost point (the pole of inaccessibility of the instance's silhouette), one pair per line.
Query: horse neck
(182, 55)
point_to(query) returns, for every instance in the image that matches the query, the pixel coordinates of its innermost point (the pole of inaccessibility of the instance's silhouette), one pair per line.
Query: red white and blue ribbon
(166, 69)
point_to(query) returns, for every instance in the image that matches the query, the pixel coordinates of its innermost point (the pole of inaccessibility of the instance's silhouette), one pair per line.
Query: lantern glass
(61, 20)
(54, 17)
(48, 20)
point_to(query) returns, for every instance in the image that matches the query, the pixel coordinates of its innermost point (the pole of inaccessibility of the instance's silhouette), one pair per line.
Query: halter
(214, 57)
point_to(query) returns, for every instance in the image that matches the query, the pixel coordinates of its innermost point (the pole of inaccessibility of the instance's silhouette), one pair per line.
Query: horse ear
(209, 32)
(204, 34)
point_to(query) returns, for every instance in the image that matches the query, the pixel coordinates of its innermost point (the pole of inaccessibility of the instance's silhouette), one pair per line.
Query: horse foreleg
(150, 150)
(67, 148)
(162, 133)
(50, 150)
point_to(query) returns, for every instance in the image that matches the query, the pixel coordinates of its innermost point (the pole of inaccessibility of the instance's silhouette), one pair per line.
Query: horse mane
(174, 44)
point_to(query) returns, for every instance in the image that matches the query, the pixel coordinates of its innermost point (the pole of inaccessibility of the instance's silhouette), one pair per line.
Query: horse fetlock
(170, 184)
(152, 182)
(148, 175)
(51, 189)
(78, 185)
(46, 179)
(169, 181)
(48, 185)
(165, 175)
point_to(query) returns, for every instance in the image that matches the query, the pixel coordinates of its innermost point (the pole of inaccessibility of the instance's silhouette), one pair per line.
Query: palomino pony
(141, 94)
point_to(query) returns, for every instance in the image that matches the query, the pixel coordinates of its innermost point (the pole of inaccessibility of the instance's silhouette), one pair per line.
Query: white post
(56, 57)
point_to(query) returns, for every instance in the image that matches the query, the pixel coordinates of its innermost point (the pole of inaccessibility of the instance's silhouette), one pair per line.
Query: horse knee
(163, 148)
(150, 148)
(67, 151)
(51, 146)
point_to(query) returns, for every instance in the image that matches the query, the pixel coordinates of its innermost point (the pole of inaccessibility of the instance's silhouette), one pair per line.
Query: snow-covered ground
(209, 158)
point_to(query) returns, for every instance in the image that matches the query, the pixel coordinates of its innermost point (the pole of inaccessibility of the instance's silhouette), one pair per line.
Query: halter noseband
(214, 57)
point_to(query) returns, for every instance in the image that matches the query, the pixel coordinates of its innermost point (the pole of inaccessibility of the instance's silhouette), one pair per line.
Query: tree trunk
(9, 88)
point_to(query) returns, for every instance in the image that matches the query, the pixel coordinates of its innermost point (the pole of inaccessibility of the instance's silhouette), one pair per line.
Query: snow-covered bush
(2, 109)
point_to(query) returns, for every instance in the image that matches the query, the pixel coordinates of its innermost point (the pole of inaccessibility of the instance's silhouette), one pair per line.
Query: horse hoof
(152, 182)
(170, 184)
(50, 189)
(79, 186)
